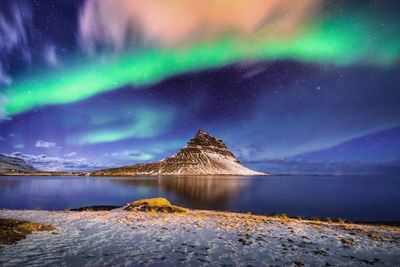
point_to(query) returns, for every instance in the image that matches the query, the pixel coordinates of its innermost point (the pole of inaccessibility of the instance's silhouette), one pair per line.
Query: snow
(199, 238)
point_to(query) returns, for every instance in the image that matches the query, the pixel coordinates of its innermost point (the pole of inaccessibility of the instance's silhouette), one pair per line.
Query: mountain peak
(203, 135)
(201, 132)
(205, 142)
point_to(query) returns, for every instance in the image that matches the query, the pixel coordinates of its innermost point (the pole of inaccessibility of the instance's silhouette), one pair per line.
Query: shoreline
(277, 217)
(99, 208)
(87, 174)
(40, 174)
(199, 237)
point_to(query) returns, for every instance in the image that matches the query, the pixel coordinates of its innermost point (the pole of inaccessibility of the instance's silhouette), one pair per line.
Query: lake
(357, 198)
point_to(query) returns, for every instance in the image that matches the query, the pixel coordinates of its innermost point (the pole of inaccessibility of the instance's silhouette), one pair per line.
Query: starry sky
(296, 87)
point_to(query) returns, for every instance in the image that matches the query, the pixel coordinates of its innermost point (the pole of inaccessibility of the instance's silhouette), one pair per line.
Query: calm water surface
(358, 198)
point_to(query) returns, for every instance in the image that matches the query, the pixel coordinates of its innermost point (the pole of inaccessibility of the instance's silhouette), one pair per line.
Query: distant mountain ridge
(203, 155)
(14, 165)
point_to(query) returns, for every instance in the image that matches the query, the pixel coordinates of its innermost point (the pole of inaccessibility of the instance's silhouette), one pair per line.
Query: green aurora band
(336, 40)
(144, 122)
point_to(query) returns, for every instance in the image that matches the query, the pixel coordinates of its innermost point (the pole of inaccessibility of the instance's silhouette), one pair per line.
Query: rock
(154, 205)
(96, 208)
(203, 155)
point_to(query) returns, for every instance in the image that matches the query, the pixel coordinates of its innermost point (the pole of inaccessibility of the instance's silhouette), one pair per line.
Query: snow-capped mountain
(11, 165)
(203, 155)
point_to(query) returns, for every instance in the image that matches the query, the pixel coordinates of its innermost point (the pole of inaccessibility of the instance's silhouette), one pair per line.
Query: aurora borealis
(121, 83)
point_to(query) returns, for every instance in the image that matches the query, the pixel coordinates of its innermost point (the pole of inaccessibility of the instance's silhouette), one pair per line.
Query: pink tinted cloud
(119, 23)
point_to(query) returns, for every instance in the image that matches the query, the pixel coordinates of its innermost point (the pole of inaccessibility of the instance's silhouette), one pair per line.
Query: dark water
(357, 198)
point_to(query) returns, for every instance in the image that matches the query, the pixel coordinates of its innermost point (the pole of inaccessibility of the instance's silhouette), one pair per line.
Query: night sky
(292, 87)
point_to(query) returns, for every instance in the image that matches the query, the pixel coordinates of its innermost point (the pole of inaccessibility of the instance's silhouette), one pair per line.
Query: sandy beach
(121, 238)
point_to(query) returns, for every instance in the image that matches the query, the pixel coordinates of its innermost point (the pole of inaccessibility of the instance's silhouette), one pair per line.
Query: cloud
(44, 144)
(72, 154)
(14, 40)
(14, 30)
(132, 155)
(1, 138)
(3, 101)
(19, 146)
(252, 69)
(116, 24)
(50, 55)
(46, 163)
(5, 79)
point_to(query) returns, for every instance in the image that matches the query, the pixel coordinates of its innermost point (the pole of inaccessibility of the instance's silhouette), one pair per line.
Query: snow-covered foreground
(196, 238)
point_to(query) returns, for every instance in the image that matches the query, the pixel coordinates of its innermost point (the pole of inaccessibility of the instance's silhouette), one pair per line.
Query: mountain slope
(11, 164)
(203, 155)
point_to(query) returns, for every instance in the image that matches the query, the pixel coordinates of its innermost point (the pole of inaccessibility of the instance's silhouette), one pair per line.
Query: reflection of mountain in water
(9, 184)
(207, 192)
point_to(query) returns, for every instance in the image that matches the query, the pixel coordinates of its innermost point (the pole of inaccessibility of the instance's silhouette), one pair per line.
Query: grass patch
(154, 205)
(13, 230)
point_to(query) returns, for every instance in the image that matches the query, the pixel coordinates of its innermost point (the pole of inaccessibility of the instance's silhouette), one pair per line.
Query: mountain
(203, 155)
(14, 165)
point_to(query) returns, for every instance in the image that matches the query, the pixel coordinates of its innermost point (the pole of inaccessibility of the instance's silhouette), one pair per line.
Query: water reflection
(358, 198)
(9, 184)
(205, 192)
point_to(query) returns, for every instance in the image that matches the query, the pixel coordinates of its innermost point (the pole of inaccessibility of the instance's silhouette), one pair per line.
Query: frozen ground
(197, 238)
